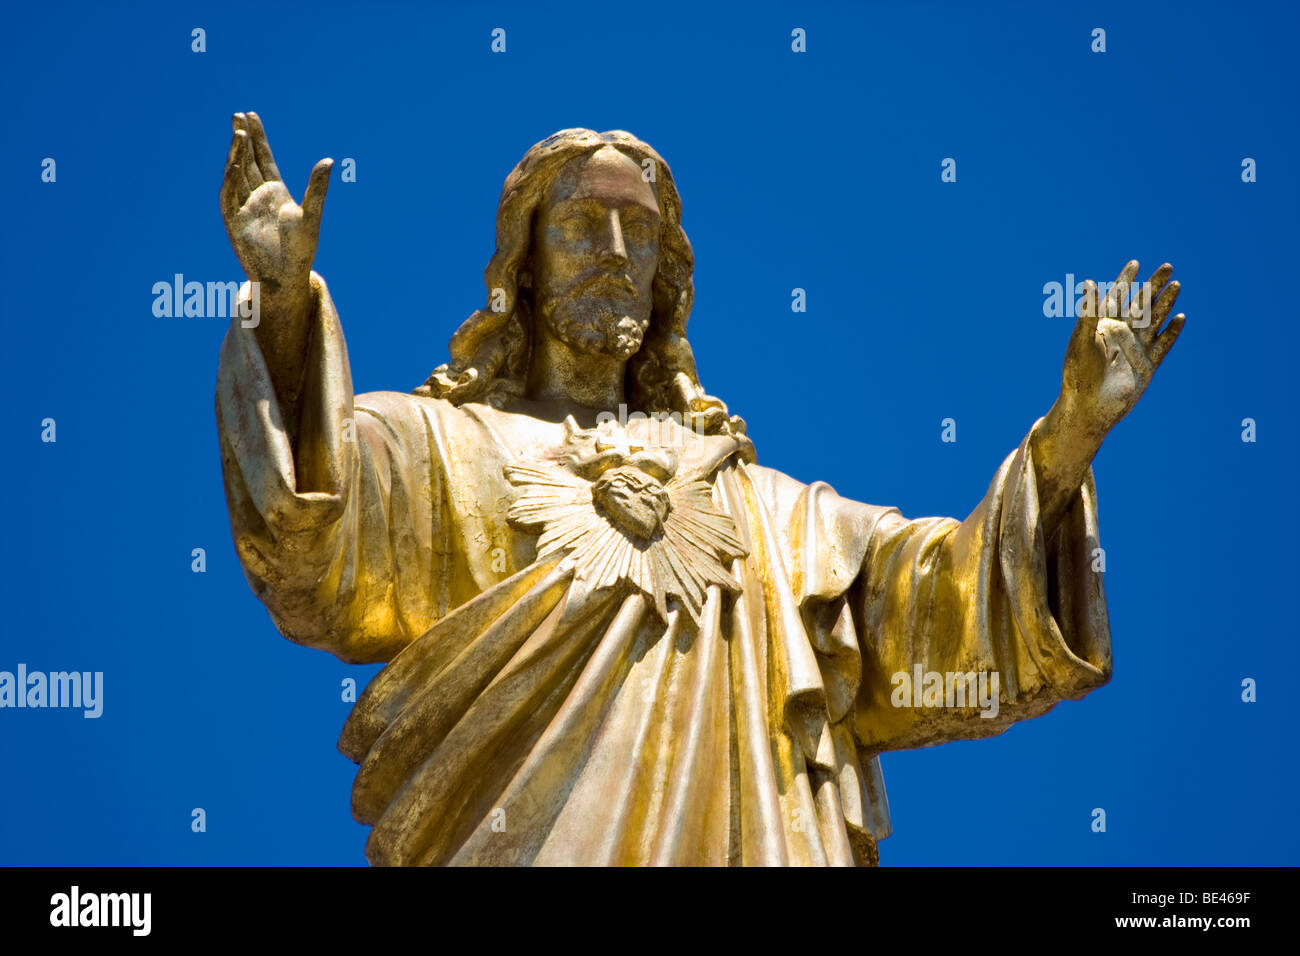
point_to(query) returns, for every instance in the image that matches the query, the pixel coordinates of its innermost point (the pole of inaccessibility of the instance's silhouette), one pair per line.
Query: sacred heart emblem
(634, 502)
(621, 514)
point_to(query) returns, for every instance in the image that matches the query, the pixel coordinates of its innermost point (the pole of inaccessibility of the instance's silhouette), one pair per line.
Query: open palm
(1118, 344)
(274, 237)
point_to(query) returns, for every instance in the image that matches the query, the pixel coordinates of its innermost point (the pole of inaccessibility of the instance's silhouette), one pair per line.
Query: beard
(596, 325)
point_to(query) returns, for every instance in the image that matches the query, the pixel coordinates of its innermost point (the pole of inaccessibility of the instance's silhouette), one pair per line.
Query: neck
(561, 373)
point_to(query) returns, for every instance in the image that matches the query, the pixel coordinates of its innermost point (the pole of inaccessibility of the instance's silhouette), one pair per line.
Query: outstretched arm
(324, 496)
(335, 528)
(1114, 351)
(275, 241)
(1011, 596)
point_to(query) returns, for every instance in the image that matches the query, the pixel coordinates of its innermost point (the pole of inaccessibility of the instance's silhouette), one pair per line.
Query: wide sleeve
(334, 525)
(942, 609)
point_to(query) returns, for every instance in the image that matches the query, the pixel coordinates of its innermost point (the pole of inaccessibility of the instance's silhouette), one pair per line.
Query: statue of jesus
(611, 636)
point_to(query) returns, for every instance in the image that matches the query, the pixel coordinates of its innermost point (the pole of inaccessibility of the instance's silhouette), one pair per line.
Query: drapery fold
(521, 721)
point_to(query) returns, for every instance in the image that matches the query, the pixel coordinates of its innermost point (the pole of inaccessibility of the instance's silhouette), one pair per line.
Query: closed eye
(638, 231)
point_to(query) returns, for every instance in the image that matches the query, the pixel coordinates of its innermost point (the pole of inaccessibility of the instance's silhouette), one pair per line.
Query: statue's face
(595, 252)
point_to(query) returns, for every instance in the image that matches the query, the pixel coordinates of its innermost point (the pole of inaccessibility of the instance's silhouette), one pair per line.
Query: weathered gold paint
(627, 642)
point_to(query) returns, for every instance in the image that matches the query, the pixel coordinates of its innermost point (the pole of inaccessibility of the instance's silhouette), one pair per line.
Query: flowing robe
(530, 715)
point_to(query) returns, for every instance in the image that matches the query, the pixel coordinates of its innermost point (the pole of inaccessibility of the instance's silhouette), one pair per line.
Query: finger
(313, 200)
(1113, 307)
(1140, 314)
(244, 187)
(234, 187)
(246, 164)
(1160, 348)
(248, 161)
(1088, 312)
(1165, 303)
(262, 149)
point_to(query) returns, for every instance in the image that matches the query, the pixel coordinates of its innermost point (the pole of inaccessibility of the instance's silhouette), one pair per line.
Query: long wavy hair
(491, 352)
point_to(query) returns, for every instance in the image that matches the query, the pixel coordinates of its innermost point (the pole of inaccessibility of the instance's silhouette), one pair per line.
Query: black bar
(438, 907)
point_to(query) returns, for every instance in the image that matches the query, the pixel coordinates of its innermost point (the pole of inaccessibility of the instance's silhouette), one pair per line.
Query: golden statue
(612, 636)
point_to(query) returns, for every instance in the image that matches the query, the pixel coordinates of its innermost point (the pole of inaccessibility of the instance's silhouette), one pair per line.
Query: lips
(608, 284)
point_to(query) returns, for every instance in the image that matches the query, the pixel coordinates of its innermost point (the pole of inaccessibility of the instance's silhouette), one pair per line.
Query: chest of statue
(627, 503)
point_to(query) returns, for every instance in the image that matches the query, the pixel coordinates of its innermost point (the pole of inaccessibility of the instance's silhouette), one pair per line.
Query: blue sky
(818, 170)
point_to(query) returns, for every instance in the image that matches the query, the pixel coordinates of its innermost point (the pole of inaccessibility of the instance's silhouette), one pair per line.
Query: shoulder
(400, 419)
(773, 485)
(404, 407)
(782, 493)
(788, 498)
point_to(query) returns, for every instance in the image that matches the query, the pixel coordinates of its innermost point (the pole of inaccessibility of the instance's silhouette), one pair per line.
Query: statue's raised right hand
(274, 237)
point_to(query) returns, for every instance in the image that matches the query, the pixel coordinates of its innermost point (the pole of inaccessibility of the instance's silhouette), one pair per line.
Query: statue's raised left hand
(1116, 347)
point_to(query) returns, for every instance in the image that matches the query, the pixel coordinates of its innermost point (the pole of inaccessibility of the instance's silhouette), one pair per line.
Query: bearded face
(595, 252)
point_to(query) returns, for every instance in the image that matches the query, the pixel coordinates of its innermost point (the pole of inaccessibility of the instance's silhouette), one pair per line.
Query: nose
(615, 248)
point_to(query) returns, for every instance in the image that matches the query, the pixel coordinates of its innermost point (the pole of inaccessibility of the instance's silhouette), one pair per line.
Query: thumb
(313, 200)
